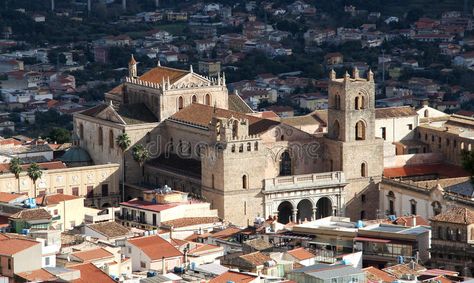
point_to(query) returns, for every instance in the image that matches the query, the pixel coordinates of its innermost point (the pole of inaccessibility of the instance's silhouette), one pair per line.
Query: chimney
(414, 221)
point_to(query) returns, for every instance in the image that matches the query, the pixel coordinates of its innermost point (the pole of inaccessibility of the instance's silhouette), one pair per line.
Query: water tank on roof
(392, 217)
(151, 274)
(359, 224)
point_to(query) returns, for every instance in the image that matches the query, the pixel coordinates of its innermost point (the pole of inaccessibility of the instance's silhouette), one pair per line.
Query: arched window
(427, 113)
(249, 146)
(180, 103)
(241, 148)
(233, 148)
(360, 130)
(111, 139)
(285, 164)
(282, 137)
(194, 99)
(208, 99)
(101, 136)
(359, 102)
(458, 235)
(213, 181)
(171, 145)
(244, 182)
(255, 147)
(81, 131)
(235, 127)
(363, 170)
(336, 129)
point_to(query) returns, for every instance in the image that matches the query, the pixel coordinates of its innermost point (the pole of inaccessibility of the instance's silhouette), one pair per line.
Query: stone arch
(285, 212)
(207, 99)
(235, 129)
(285, 164)
(180, 103)
(324, 207)
(245, 182)
(336, 129)
(194, 98)
(305, 210)
(360, 130)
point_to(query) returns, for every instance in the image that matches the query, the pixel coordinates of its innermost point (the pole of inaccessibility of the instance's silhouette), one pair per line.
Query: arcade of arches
(304, 210)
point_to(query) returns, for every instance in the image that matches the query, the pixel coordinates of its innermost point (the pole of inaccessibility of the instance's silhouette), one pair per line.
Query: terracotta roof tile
(443, 170)
(376, 275)
(300, 254)
(5, 167)
(145, 205)
(8, 197)
(202, 115)
(190, 221)
(92, 254)
(54, 199)
(12, 246)
(158, 74)
(236, 277)
(458, 215)
(38, 275)
(256, 258)
(110, 229)
(204, 248)
(91, 274)
(155, 247)
(394, 112)
(226, 233)
(408, 221)
(32, 214)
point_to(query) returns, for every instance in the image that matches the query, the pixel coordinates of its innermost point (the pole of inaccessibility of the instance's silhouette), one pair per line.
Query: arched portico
(305, 210)
(324, 208)
(285, 212)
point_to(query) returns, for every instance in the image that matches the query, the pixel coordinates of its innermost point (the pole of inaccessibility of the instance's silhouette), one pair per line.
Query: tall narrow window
(81, 131)
(101, 136)
(360, 130)
(194, 99)
(384, 133)
(111, 139)
(244, 182)
(285, 164)
(208, 99)
(413, 207)
(180, 103)
(235, 127)
(363, 170)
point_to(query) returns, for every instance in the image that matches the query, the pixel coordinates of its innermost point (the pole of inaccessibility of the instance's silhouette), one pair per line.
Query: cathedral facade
(246, 166)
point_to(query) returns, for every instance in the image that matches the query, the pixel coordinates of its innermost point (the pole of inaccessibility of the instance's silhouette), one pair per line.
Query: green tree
(15, 168)
(60, 135)
(35, 173)
(141, 155)
(123, 142)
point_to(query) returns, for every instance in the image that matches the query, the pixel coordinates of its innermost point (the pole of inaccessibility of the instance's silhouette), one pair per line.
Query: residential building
(19, 255)
(324, 273)
(152, 253)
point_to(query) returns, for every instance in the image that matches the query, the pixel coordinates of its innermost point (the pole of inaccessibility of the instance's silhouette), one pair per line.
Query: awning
(373, 240)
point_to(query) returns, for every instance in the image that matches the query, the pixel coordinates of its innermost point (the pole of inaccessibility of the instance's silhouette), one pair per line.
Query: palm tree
(141, 155)
(15, 168)
(123, 142)
(34, 172)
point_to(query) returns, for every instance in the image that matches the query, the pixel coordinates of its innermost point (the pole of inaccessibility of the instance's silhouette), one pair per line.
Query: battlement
(355, 77)
(166, 85)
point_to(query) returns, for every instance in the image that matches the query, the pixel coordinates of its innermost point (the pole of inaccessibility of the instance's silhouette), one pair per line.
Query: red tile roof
(200, 114)
(54, 199)
(155, 247)
(158, 74)
(448, 171)
(236, 277)
(93, 254)
(408, 221)
(8, 197)
(458, 215)
(300, 254)
(13, 246)
(91, 274)
(5, 167)
(376, 275)
(38, 275)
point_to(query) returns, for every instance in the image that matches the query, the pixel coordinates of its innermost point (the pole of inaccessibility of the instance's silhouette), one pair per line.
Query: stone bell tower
(351, 142)
(132, 68)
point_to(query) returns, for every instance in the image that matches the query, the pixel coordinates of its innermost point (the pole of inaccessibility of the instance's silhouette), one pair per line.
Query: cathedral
(209, 143)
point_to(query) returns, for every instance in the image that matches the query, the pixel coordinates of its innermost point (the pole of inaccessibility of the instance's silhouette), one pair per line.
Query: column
(315, 211)
(295, 214)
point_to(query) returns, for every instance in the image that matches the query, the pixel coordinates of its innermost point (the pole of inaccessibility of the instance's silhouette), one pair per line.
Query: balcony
(308, 181)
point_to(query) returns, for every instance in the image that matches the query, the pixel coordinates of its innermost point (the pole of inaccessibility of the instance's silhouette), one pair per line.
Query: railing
(305, 181)
(89, 218)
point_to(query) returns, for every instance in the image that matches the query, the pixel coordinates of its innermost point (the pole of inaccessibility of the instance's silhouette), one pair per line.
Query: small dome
(75, 155)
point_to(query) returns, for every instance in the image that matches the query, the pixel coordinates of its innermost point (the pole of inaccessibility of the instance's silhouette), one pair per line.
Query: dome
(76, 155)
